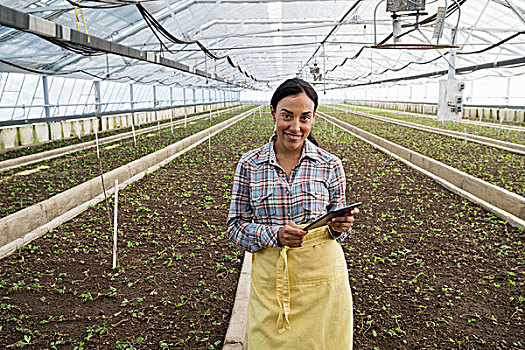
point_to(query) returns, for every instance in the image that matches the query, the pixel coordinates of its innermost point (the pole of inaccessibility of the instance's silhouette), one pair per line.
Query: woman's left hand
(343, 223)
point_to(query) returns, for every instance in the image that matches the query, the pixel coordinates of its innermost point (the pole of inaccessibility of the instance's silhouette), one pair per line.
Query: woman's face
(293, 121)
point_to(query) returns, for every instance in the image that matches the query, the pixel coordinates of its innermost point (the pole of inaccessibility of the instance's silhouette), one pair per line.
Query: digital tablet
(325, 218)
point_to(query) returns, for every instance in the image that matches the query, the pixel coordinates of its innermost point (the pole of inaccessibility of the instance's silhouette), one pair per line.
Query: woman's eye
(287, 116)
(305, 117)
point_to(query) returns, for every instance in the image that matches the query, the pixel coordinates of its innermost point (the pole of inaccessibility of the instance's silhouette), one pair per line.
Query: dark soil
(496, 166)
(428, 269)
(177, 274)
(20, 191)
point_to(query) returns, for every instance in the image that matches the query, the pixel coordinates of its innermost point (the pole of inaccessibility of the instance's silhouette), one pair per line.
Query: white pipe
(115, 226)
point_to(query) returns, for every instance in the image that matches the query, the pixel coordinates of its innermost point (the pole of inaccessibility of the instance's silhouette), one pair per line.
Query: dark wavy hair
(293, 87)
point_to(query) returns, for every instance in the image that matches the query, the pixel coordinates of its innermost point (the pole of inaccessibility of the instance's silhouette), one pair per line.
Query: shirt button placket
(288, 200)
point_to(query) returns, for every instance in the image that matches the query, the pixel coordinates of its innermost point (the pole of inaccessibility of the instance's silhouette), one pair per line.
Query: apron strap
(283, 290)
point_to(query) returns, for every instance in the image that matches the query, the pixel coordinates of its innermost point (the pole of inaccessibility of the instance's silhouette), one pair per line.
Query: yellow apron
(300, 298)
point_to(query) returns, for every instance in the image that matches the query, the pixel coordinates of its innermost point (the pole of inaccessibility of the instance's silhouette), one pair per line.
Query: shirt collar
(268, 153)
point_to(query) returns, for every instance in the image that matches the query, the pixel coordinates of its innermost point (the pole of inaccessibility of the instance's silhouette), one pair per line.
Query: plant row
(428, 269)
(25, 186)
(177, 274)
(507, 135)
(493, 165)
(74, 140)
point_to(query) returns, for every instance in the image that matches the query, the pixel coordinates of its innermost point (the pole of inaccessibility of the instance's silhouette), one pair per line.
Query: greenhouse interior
(170, 168)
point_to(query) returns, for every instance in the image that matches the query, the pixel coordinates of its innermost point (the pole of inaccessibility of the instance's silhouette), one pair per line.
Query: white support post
(155, 107)
(194, 100)
(115, 226)
(171, 109)
(132, 105)
(185, 107)
(96, 141)
(47, 108)
(507, 102)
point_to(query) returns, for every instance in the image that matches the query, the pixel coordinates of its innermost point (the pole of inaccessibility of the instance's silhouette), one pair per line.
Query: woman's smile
(293, 137)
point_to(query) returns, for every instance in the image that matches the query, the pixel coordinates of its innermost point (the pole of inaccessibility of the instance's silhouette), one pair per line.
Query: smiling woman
(300, 293)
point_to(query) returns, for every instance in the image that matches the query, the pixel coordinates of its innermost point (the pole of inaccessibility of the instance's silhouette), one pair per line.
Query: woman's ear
(272, 111)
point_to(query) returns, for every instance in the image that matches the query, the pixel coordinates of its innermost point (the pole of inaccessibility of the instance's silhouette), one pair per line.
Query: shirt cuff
(334, 234)
(273, 236)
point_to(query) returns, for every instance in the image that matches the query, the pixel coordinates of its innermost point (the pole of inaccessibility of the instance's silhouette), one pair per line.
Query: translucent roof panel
(273, 40)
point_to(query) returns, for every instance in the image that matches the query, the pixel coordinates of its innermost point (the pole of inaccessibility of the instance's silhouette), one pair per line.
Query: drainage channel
(433, 116)
(504, 204)
(30, 223)
(55, 153)
(503, 145)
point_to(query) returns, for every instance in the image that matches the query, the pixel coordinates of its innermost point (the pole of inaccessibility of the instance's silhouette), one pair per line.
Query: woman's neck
(282, 152)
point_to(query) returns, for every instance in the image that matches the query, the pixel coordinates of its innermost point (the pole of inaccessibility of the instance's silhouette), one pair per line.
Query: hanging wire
(155, 27)
(106, 4)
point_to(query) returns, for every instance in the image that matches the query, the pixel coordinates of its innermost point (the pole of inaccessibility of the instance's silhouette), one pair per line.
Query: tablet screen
(324, 219)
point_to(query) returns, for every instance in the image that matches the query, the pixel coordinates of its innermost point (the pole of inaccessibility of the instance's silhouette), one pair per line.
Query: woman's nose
(294, 125)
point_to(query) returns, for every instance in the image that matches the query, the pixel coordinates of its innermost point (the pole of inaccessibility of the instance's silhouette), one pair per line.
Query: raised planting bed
(25, 186)
(498, 167)
(507, 135)
(177, 274)
(21, 151)
(428, 269)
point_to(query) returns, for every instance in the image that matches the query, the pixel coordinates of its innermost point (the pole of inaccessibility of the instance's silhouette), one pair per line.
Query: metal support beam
(468, 69)
(39, 26)
(516, 10)
(47, 109)
(132, 102)
(154, 96)
(98, 102)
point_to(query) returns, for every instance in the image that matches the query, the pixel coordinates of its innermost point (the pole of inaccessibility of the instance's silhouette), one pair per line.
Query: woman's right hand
(291, 235)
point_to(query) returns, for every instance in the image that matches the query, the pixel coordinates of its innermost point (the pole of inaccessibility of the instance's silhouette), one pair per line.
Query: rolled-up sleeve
(336, 189)
(242, 231)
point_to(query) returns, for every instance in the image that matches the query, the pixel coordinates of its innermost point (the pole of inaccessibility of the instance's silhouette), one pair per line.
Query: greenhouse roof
(255, 44)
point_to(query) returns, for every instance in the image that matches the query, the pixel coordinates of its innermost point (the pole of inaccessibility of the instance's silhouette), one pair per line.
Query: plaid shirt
(263, 199)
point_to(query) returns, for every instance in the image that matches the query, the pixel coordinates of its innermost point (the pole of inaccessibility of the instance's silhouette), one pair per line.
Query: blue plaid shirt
(263, 199)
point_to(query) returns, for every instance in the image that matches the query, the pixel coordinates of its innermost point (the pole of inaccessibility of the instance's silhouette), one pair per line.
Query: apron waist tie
(283, 291)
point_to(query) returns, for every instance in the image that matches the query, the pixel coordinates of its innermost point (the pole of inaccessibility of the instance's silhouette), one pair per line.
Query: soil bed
(73, 140)
(498, 167)
(428, 269)
(178, 272)
(495, 133)
(21, 188)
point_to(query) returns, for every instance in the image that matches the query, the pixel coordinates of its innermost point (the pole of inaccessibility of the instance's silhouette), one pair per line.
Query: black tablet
(323, 219)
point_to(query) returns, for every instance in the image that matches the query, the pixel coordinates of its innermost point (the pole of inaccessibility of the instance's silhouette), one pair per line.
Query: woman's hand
(291, 235)
(343, 223)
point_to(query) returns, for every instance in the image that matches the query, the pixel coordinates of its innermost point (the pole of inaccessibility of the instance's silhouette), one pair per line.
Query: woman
(300, 296)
